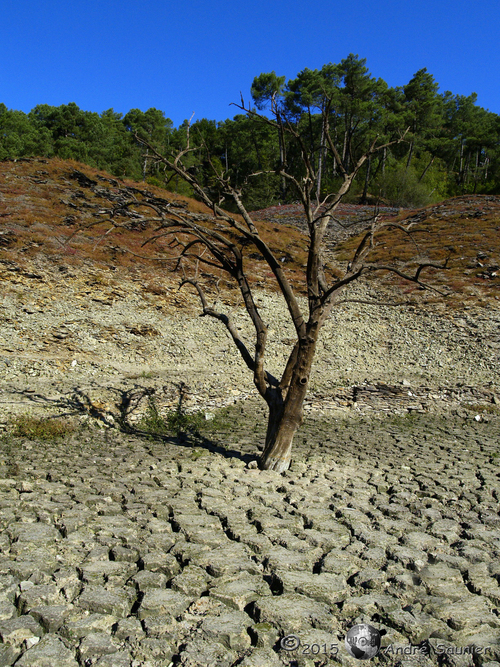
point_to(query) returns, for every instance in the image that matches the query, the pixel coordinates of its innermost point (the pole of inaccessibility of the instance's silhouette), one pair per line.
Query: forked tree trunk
(285, 416)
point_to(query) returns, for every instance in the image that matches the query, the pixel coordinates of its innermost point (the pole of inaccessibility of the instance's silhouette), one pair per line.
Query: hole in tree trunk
(303, 380)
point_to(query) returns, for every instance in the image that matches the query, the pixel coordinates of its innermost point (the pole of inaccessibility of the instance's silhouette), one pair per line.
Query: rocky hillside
(89, 329)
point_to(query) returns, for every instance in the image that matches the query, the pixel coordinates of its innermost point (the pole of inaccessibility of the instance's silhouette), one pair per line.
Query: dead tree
(214, 245)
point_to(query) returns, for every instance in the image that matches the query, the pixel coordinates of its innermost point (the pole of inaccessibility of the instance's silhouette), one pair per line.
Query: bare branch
(340, 284)
(412, 279)
(233, 331)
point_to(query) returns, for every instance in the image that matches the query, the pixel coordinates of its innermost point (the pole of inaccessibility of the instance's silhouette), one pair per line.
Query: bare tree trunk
(281, 428)
(311, 138)
(282, 163)
(427, 168)
(461, 172)
(466, 174)
(344, 149)
(410, 155)
(285, 416)
(476, 168)
(144, 166)
(320, 162)
(367, 178)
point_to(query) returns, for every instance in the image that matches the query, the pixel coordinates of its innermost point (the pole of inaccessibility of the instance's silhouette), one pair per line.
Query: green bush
(402, 187)
(181, 422)
(178, 421)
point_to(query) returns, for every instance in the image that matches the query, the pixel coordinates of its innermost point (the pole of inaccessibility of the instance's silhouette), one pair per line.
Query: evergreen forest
(451, 145)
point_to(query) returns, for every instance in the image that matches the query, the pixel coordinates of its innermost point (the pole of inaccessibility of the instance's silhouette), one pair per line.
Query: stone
(281, 558)
(34, 533)
(264, 635)
(8, 655)
(323, 539)
(200, 653)
(129, 629)
(421, 541)
(124, 554)
(95, 645)
(369, 605)
(292, 613)
(145, 579)
(49, 651)
(24, 569)
(188, 553)
(469, 612)
(75, 630)
(238, 592)
(159, 561)
(163, 601)
(226, 560)
(17, 630)
(369, 579)
(101, 572)
(158, 651)
(257, 542)
(328, 588)
(446, 529)
(261, 657)
(38, 595)
(192, 581)
(340, 563)
(418, 626)
(408, 557)
(441, 580)
(230, 629)
(7, 610)
(99, 600)
(161, 625)
(68, 582)
(51, 617)
(118, 659)
(484, 636)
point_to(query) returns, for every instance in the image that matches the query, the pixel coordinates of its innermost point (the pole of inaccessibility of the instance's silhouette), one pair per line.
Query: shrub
(178, 421)
(402, 188)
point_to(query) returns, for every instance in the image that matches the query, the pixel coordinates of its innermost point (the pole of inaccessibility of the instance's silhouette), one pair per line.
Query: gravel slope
(70, 332)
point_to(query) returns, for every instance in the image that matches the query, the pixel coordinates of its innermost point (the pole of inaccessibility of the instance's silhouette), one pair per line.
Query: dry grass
(42, 206)
(48, 212)
(45, 429)
(463, 231)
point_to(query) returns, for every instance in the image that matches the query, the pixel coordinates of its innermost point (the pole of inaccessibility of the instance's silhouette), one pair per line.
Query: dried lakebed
(120, 551)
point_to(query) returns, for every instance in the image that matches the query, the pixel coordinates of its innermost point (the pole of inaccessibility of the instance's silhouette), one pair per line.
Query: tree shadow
(76, 402)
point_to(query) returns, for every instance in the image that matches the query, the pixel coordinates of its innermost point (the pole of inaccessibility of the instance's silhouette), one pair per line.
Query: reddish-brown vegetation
(47, 208)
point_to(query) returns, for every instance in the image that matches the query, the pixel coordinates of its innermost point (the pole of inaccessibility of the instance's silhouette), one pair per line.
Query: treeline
(451, 146)
(103, 140)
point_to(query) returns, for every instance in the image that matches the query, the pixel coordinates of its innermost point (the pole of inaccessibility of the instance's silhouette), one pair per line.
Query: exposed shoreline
(69, 332)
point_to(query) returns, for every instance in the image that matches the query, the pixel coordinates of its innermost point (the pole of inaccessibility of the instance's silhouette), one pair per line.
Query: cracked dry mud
(119, 551)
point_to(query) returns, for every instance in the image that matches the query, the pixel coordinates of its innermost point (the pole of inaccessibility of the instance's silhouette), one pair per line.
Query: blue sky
(194, 56)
